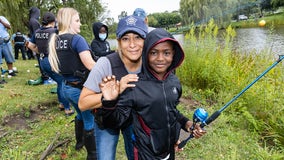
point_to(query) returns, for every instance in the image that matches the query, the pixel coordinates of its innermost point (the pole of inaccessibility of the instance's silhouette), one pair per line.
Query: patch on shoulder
(174, 90)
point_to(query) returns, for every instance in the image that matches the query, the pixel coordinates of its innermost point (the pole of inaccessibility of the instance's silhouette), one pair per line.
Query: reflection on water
(249, 39)
(259, 39)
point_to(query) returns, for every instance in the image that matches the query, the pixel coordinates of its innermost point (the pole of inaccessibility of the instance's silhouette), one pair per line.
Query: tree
(122, 15)
(201, 11)
(164, 19)
(277, 3)
(265, 5)
(17, 11)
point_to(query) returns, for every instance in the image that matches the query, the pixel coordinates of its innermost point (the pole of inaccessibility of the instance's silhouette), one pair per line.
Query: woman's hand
(110, 88)
(125, 81)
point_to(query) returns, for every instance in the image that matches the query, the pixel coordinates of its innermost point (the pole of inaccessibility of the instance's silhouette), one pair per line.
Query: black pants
(21, 47)
(30, 53)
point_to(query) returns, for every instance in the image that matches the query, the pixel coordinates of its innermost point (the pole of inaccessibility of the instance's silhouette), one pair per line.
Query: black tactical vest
(42, 38)
(117, 66)
(69, 60)
(19, 37)
(102, 116)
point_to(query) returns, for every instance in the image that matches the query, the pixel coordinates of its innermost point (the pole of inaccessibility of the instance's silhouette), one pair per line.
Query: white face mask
(102, 36)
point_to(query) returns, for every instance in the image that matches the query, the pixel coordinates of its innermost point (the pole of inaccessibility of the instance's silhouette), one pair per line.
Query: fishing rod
(200, 115)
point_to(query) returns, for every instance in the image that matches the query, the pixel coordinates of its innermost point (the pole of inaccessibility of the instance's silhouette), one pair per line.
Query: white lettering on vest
(42, 35)
(61, 44)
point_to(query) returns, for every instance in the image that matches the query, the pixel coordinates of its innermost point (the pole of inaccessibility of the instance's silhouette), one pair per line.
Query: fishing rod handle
(202, 125)
(183, 143)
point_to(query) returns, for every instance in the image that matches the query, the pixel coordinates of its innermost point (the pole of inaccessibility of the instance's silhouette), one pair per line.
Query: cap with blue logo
(131, 24)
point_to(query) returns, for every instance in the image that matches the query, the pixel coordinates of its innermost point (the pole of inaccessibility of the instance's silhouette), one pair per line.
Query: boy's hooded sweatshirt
(152, 104)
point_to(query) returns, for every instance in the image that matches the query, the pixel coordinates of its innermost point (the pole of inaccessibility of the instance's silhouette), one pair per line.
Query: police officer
(19, 44)
(70, 55)
(39, 44)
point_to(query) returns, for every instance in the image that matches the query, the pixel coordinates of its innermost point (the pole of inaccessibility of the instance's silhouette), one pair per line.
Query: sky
(150, 6)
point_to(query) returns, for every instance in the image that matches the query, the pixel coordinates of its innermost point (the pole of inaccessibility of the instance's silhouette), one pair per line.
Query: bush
(215, 72)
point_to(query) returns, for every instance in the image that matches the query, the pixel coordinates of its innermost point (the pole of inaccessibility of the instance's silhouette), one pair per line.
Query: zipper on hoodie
(167, 110)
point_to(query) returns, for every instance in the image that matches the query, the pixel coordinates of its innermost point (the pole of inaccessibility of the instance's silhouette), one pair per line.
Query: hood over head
(34, 13)
(155, 37)
(96, 30)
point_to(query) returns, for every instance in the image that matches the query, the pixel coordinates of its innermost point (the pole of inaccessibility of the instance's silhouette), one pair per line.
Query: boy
(153, 99)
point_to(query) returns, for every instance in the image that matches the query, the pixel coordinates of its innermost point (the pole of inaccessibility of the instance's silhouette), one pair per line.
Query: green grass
(225, 139)
(251, 128)
(30, 119)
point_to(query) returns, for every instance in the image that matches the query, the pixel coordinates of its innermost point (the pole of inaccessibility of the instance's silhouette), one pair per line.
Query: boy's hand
(197, 132)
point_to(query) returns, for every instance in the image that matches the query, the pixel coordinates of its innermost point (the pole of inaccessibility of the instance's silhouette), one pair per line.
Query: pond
(262, 38)
(250, 39)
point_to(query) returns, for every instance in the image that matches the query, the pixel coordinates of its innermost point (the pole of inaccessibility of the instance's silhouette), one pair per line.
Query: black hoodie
(100, 47)
(152, 104)
(34, 14)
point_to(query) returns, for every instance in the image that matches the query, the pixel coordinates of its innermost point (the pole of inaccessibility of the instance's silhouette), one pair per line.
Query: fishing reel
(200, 115)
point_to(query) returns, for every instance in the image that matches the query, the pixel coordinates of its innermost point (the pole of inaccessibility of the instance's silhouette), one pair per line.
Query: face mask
(102, 36)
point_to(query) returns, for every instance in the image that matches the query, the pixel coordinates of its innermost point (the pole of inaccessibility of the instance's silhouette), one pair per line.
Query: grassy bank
(271, 20)
(251, 128)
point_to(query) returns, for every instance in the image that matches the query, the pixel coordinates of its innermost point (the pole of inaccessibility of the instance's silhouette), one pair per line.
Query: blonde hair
(64, 19)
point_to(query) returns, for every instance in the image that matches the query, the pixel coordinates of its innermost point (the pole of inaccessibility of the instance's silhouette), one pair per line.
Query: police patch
(131, 21)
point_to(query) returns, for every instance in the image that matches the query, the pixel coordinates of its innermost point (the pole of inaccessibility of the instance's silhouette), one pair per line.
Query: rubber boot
(79, 134)
(90, 144)
(35, 82)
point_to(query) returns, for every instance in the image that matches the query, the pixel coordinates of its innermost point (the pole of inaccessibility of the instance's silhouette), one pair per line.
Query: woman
(152, 103)
(69, 55)
(131, 32)
(39, 44)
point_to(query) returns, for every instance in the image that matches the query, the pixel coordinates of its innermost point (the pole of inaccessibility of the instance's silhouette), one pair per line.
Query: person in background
(6, 46)
(139, 12)
(34, 14)
(152, 100)
(100, 45)
(70, 56)
(19, 39)
(39, 44)
(131, 32)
